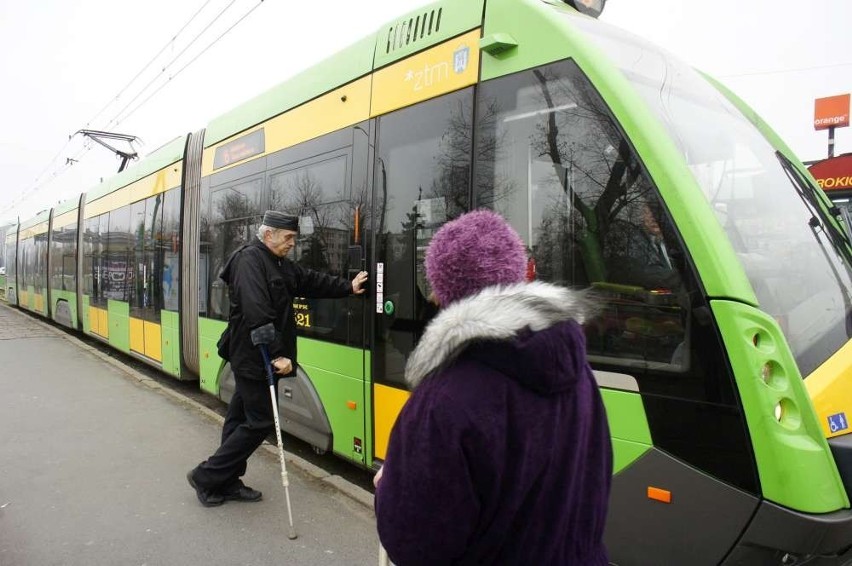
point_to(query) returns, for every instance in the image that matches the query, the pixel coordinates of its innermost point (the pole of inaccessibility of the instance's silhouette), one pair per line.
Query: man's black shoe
(205, 496)
(238, 491)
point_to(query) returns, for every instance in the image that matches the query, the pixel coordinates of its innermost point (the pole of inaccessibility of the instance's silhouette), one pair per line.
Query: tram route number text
(302, 315)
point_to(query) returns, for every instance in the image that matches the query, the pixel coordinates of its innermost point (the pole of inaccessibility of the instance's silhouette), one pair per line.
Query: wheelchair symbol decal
(837, 422)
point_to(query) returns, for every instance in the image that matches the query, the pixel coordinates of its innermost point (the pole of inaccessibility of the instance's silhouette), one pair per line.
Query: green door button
(389, 308)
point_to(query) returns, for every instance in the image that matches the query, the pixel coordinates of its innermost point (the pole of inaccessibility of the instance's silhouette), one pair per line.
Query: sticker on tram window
(837, 422)
(302, 314)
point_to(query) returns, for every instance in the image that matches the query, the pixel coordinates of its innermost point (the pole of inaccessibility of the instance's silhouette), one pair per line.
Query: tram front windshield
(797, 274)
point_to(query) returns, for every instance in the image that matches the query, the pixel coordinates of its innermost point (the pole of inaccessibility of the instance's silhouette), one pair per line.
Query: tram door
(421, 180)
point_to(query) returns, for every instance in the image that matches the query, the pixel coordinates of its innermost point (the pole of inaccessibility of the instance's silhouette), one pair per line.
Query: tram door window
(144, 270)
(234, 217)
(11, 266)
(316, 190)
(117, 258)
(93, 244)
(27, 263)
(421, 181)
(552, 160)
(63, 269)
(41, 273)
(139, 293)
(170, 249)
(153, 256)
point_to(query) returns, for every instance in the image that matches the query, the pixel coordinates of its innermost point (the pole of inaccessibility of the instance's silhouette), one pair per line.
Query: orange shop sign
(831, 112)
(833, 174)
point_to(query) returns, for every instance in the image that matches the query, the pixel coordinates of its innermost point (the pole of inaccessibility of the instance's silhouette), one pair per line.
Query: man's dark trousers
(248, 422)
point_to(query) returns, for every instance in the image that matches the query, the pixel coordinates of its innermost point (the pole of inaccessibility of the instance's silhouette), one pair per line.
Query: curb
(338, 483)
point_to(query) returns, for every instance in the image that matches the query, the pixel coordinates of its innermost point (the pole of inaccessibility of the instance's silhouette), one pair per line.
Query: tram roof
(66, 205)
(37, 219)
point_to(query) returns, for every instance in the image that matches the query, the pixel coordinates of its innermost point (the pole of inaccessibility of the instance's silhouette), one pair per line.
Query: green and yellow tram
(723, 346)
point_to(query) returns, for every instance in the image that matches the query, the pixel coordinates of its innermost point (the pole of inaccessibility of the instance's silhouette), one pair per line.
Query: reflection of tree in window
(548, 130)
(492, 147)
(580, 143)
(235, 211)
(315, 194)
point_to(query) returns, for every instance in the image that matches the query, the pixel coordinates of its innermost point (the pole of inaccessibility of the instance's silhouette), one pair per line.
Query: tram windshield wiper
(808, 193)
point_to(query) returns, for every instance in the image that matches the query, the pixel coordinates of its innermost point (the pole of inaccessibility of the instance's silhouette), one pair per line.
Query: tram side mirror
(591, 8)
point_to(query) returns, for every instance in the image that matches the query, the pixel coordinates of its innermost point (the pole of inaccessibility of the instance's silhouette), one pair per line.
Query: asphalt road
(92, 467)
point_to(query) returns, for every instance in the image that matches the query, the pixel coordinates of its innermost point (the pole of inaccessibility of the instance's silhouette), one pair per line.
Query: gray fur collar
(495, 313)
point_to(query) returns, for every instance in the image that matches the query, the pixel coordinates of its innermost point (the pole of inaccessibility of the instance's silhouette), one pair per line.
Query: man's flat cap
(275, 219)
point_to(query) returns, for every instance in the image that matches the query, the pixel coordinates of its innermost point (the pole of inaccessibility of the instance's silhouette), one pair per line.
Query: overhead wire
(64, 167)
(191, 61)
(38, 184)
(149, 63)
(169, 64)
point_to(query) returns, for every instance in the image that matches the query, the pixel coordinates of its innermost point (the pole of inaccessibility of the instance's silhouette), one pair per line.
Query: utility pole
(829, 113)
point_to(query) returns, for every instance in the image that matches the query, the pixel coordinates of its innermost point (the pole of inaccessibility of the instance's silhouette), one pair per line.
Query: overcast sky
(66, 66)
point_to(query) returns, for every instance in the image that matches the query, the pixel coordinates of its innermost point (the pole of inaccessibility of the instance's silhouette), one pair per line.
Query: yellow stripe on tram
(830, 388)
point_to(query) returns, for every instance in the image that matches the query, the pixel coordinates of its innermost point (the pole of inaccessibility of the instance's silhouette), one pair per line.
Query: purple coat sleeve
(426, 503)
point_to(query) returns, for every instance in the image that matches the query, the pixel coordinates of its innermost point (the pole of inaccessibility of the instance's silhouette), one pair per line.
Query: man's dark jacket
(261, 287)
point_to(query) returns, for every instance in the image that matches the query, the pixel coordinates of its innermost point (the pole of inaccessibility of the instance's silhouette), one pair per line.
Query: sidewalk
(92, 464)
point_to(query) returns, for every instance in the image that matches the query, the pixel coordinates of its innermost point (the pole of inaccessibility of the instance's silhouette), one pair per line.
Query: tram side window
(551, 159)
(235, 215)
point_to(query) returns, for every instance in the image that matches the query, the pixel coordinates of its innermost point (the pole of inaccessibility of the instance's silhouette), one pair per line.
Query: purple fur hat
(476, 250)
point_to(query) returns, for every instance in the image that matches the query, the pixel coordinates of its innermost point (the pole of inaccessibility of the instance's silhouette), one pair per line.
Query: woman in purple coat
(502, 454)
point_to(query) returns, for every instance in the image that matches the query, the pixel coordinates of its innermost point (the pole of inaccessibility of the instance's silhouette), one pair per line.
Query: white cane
(261, 337)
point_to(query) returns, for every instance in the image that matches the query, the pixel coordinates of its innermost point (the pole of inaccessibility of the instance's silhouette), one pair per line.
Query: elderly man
(261, 285)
